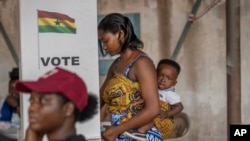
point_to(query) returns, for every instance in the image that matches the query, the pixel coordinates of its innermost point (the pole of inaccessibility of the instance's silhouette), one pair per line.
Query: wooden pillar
(233, 62)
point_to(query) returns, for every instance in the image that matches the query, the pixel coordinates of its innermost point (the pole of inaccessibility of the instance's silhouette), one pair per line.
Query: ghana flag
(55, 22)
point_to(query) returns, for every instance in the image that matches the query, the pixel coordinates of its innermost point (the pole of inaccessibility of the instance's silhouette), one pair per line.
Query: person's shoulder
(143, 58)
(6, 138)
(76, 138)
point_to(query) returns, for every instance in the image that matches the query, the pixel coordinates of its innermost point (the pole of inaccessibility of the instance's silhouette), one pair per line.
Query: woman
(58, 100)
(10, 110)
(130, 88)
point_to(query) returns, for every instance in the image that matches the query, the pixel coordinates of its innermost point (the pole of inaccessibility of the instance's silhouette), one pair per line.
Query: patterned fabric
(124, 100)
(152, 135)
(166, 125)
(123, 96)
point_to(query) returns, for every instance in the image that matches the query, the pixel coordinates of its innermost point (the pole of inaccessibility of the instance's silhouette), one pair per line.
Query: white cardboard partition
(42, 51)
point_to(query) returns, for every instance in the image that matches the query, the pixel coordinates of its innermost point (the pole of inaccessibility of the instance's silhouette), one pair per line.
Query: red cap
(58, 80)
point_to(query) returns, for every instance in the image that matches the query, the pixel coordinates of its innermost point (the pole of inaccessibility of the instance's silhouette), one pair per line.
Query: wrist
(120, 128)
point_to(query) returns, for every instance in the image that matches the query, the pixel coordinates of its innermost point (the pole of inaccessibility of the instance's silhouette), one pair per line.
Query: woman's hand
(110, 134)
(32, 135)
(12, 101)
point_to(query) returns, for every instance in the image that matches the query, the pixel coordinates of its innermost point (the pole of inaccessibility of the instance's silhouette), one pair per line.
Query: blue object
(6, 112)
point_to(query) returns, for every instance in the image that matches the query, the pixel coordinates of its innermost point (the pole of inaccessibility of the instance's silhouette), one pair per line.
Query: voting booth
(60, 33)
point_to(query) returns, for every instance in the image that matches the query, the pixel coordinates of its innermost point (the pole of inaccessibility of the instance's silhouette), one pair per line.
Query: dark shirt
(76, 138)
(6, 138)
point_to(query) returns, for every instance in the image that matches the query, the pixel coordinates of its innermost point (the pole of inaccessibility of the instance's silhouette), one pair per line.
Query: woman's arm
(146, 75)
(104, 113)
(31, 135)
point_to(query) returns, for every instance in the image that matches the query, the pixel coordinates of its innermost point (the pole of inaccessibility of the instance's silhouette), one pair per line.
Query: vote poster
(60, 33)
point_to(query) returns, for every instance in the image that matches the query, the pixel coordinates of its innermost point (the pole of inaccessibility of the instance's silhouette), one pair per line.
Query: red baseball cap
(58, 80)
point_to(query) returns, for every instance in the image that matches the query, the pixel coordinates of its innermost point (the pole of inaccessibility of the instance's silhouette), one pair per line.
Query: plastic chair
(182, 127)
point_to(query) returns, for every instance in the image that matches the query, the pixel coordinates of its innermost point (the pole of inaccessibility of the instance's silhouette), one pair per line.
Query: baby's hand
(163, 114)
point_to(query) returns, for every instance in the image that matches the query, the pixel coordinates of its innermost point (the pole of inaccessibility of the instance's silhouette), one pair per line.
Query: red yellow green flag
(55, 22)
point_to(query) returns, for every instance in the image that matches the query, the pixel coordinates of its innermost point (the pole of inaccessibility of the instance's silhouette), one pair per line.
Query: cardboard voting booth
(60, 33)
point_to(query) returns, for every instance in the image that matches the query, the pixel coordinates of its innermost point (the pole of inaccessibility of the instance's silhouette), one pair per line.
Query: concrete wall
(9, 18)
(245, 60)
(202, 82)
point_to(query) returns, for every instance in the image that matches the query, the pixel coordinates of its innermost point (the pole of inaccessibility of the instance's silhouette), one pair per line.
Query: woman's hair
(88, 112)
(116, 22)
(14, 74)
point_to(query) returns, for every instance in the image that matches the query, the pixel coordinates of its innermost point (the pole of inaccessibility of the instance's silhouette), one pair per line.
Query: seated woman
(10, 106)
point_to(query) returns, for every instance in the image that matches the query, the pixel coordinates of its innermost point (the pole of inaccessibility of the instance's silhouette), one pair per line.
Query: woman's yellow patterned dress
(124, 100)
(123, 96)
